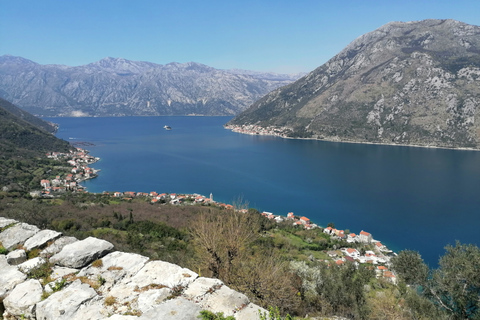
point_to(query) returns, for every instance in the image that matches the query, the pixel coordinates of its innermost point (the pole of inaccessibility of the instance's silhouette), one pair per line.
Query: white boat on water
(167, 128)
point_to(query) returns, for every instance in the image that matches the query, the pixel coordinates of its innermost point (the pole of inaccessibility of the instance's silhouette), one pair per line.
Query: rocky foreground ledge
(89, 280)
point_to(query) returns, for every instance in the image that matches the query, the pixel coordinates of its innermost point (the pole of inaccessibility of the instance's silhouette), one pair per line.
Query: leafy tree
(341, 290)
(410, 267)
(455, 285)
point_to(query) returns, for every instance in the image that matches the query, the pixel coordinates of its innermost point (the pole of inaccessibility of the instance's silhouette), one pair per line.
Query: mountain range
(120, 87)
(412, 83)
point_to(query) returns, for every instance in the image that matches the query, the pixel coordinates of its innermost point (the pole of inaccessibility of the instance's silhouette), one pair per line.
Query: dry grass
(112, 268)
(150, 287)
(110, 300)
(97, 263)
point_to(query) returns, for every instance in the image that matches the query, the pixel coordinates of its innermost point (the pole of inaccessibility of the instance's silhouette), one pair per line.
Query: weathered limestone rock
(202, 286)
(16, 257)
(116, 265)
(124, 282)
(251, 311)
(17, 235)
(151, 298)
(91, 310)
(178, 309)
(59, 272)
(10, 277)
(163, 273)
(129, 262)
(21, 300)
(81, 253)
(57, 246)
(65, 303)
(5, 222)
(225, 300)
(41, 239)
(121, 317)
(31, 264)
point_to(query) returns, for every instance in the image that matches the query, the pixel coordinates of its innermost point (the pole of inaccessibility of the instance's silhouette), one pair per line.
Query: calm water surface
(409, 198)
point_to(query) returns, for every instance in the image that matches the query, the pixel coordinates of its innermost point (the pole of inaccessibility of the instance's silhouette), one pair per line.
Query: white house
(365, 237)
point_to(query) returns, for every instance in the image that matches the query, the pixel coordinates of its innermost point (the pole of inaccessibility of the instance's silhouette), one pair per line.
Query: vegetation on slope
(274, 264)
(22, 150)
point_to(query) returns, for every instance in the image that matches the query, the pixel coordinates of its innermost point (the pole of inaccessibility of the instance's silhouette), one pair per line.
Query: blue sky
(264, 35)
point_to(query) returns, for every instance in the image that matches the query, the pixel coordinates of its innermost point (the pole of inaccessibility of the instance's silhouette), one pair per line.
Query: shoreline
(241, 130)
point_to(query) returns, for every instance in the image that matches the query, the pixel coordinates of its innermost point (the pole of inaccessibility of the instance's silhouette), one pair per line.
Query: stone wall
(90, 280)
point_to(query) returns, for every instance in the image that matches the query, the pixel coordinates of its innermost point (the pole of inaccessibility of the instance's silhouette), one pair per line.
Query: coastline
(271, 132)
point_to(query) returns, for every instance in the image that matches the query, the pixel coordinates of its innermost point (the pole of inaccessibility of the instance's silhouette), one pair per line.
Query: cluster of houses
(80, 160)
(379, 257)
(298, 221)
(172, 198)
(257, 130)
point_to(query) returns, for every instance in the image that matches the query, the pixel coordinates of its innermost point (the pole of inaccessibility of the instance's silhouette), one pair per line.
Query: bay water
(409, 198)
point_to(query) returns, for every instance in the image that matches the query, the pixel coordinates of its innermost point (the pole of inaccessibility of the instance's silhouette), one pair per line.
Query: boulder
(131, 263)
(57, 246)
(41, 239)
(149, 299)
(28, 265)
(10, 277)
(80, 253)
(115, 266)
(65, 303)
(91, 310)
(5, 222)
(17, 235)
(163, 273)
(224, 300)
(202, 286)
(176, 309)
(251, 311)
(16, 257)
(21, 300)
(59, 272)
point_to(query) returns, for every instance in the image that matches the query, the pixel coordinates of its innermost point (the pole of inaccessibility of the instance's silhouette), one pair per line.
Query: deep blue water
(409, 198)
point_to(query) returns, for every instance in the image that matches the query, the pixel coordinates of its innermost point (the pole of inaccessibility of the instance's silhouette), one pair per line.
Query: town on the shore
(258, 130)
(372, 252)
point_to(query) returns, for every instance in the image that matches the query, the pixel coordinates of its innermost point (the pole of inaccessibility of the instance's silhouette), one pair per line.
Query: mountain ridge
(120, 87)
(410, 83)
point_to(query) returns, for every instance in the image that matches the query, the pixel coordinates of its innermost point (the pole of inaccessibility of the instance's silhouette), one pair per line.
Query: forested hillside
(22, 148)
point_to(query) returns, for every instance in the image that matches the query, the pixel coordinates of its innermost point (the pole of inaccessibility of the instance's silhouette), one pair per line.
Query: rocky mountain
(413, 83)
(119, 87)
(68, 278)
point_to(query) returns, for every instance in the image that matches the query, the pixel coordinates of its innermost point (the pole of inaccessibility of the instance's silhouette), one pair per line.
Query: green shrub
(208, 315)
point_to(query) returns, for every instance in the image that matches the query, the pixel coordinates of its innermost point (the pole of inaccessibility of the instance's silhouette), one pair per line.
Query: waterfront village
(258, 130)
(371, 251)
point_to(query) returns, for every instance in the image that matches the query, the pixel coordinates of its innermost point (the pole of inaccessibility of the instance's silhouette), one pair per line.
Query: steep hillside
(119, 87)
(22, 149)
(28, 117)
(404, 83)
(19, 132)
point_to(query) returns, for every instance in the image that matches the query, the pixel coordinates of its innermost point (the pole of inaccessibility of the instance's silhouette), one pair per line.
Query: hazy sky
(264, 35)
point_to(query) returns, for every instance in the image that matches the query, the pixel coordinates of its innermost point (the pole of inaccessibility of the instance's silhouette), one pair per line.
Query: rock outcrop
(86, 279)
